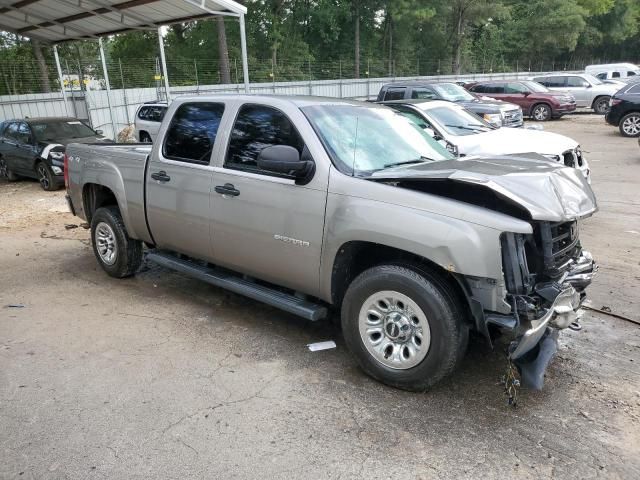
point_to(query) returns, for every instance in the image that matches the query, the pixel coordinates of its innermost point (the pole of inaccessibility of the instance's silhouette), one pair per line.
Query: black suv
(497, 113)
(624, 110)
(34, 147)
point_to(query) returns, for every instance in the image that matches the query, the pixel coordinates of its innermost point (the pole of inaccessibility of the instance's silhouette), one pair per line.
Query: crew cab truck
(316, 205)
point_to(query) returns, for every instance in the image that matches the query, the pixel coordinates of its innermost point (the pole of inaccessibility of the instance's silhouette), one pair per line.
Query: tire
(630, 125)
(435, 316)
(6, 173)
(145, 137)
(45, 177)
(601, 105)
(118, 254)
(541, 112)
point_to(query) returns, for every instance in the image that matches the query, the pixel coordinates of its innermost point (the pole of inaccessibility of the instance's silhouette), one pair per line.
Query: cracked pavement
(161, 376)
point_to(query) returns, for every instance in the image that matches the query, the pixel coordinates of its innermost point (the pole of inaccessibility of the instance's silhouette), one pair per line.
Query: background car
(34, 147)
(464, 133)
(588, 91)
(495, 112)
(624, 110)
(536, 100)
(614, 71)
(148, 119)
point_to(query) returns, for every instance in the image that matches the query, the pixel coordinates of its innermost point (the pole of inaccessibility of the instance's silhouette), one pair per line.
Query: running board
(219, 278)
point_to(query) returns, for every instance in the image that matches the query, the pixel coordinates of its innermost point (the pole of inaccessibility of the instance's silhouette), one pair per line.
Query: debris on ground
(15, 305)
(316, 347)
(70, 226)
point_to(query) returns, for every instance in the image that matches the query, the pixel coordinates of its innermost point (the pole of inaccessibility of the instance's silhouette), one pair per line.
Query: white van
(614, 71)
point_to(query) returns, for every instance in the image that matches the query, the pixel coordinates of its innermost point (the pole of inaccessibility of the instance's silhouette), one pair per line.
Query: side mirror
(526, 94)
(99, 132)
(586, 85)
(285, 160)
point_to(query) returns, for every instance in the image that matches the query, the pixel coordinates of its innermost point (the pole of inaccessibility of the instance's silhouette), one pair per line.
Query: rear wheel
(541, 112)
(405, 328)
(45, 177)
(118, 254)
(5, 172)
(600, 105)
(630, 125)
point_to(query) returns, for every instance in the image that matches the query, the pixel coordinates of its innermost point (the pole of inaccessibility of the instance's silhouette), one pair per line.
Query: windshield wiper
(479, 128)
(422, 159)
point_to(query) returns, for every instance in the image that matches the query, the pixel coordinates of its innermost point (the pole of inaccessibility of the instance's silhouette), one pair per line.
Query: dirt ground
(161, 376)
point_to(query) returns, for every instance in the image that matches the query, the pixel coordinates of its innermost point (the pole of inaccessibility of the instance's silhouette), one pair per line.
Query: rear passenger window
(494, 89)
(555, 82)
(258, 127)
(192, 132)
(480, 88)
(421, 93)
(615, 74)
(394, 94)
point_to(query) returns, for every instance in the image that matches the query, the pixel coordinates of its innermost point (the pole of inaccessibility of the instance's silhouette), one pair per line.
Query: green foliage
(303, 39)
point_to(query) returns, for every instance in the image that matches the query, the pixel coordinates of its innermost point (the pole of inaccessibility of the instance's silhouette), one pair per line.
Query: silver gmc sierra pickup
(316, 205)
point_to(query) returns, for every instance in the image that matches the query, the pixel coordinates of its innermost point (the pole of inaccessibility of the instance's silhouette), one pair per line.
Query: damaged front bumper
(534, 347)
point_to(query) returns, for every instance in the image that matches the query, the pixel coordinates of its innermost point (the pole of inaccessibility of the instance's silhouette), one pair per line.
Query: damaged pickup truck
(315, 205)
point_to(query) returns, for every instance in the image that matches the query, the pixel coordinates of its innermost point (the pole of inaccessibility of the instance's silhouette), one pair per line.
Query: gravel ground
(161, 376)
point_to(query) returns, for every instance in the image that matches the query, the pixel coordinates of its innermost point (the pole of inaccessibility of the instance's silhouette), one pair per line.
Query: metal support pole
(245, 62)
(60, 79)
(164, 66)
(108, 85)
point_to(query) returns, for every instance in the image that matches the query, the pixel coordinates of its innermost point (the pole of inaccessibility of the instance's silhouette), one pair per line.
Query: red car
(536, 101)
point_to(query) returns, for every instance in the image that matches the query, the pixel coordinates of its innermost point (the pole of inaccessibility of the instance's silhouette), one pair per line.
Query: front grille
(560, 244)
(513, 117)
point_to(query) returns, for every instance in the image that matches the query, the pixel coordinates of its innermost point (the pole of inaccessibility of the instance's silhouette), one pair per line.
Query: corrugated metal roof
(54, 21)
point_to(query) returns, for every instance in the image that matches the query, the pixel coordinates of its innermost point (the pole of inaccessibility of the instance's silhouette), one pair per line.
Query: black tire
(127, 253)
(5, 172)
(601, 105)
(145, 137)
(541, 112)
(45, 177)
(445, 317)
(629, 125)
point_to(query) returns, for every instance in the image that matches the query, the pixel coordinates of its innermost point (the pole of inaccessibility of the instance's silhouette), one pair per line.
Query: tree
(223, 52)
(42, 65)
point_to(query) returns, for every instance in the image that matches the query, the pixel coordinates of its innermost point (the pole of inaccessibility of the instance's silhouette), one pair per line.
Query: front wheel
(45, 177)
(405, 328)
(118, 254)
(601, 105)
(630, 125)
(541, 112)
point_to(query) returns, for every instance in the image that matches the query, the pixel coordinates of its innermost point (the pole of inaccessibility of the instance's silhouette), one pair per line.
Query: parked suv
(625, 72)
(624, 111)
(588, 91)
(148, 119)
(497, 113)
(536, 101)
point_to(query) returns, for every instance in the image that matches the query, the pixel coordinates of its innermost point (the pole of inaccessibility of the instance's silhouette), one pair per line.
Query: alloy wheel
(394, 330)
(106, 243)
(541, 113)
(631, 125)
(43, 176)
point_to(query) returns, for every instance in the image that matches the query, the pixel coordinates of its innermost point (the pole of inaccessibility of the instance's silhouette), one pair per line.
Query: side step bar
(275, 298)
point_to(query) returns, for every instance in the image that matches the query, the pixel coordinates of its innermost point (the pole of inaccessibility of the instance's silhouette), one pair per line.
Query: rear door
(268, 227)
(579, 88)
(179, 175)
(9, 144)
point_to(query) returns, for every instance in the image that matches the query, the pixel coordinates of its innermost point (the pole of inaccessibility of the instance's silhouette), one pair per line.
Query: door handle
(161, 176)
(227, 189)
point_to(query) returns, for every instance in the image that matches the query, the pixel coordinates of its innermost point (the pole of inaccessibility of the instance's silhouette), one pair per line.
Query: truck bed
(121, 168)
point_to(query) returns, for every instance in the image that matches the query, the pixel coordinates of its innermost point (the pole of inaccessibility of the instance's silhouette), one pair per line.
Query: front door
(579, 88)
(179, 181)
(266, 226)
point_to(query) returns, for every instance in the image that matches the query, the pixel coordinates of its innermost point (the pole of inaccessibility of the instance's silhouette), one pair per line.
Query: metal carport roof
(55, 21)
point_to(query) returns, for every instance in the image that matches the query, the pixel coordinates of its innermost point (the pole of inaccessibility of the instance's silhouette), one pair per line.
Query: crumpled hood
(507, 141)
(546, 191)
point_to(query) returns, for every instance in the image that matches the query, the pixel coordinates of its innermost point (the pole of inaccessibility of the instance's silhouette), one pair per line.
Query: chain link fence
(81, 74)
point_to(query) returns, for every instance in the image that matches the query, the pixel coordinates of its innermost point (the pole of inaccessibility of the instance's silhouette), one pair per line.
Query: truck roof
(297, 100)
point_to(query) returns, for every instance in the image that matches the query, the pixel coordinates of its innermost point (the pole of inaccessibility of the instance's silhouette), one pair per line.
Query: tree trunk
(42, 66)
(223, 52)
(390, 27)
(356, 14)
(457, 40)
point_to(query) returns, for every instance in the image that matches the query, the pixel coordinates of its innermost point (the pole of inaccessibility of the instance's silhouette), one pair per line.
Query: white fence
(126, 101)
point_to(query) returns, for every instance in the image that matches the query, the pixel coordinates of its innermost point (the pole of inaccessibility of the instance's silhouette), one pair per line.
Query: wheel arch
(354, 257)
(95, 196)
(598, 97)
